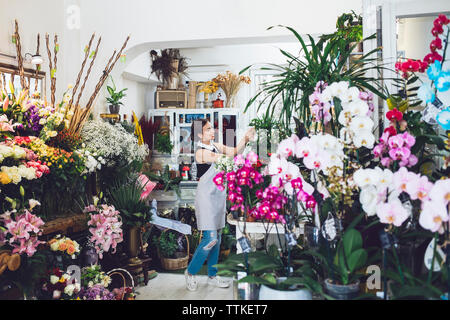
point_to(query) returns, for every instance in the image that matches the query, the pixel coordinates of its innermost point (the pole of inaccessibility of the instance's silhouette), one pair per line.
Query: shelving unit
(221, 119)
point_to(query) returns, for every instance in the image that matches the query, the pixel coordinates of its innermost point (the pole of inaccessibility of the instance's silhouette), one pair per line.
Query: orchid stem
(430, 271)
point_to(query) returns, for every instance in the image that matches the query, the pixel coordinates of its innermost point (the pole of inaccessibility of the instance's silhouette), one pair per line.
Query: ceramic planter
(114, 108)
(342, 292)
(132, 245)
(267, 293)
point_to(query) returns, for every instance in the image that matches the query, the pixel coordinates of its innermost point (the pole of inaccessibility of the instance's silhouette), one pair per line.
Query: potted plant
(168, 66)
(267, 270)
(134, 211)
(115, 97)
(167, 189)
(172, 258)
(350, 257)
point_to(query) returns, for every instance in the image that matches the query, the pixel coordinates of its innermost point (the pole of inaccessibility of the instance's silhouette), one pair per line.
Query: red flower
(437, 30)
(437, 56)
(391, 130)
(394, 115)
(443, 19)
(423, 66)
(436, 44)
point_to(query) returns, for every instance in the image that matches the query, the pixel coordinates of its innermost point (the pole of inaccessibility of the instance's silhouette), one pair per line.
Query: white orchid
(369, 199)
(364, 138)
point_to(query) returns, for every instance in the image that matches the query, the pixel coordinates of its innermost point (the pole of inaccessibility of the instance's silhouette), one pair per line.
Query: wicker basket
(177, 263)
(120, 272)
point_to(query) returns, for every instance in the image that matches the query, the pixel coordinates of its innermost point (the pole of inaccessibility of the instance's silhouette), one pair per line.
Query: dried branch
(19, 57)
(88, 72)
(104, 76)
(37, 66)
(54, 67)
(75, 88)
(50, 65)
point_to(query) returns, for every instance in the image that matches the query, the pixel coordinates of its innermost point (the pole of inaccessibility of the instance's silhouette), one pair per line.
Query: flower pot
(132, 245)
(114, 108)
(165, 199)
(267, 293)
(89, 256)
(312, 237)
(342, 292)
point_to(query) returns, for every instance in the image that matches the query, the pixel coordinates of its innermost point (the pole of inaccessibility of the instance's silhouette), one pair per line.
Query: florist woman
(210, 203)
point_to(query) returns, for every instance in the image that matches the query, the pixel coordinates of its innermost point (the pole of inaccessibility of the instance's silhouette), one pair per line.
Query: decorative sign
(290, 239)
(329, 228)
(428, 258)
(245, 244)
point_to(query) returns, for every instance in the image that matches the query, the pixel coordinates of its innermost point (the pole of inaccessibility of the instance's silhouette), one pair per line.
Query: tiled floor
(169, 286)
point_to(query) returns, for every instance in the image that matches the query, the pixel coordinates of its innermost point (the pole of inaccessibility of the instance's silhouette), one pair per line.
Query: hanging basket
(174, 263)
(120, 272)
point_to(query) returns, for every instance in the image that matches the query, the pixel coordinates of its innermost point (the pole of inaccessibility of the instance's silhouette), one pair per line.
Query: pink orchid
(239, 160)
(231, 176)
(402, 178)
(378, 150)
(419, 188)
(392, 212)
(408, 139)
(304, 148)
(386, 161)
(396, 141)
(412, 161)
(286, 147)
(441, 191)
(218, 179)
(317, 160)
(402, 154)
(252, 157)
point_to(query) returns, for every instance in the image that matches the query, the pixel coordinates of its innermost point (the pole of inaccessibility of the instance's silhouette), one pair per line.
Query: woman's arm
(230, 151)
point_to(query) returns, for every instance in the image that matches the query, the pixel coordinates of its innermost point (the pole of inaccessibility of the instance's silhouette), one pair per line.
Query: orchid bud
(22, 191)
(403, 125)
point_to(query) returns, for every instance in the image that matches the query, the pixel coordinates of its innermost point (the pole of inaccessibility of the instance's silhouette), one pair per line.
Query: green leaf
(357, 260)
(352, 241)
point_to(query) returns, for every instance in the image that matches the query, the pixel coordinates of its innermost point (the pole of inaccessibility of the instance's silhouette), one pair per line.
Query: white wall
(149, 22)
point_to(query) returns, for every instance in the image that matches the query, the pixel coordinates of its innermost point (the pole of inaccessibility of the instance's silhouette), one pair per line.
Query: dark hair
(197, 128)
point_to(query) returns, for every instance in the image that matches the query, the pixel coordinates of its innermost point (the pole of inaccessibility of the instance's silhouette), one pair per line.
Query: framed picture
(192, 117)
(186, 145)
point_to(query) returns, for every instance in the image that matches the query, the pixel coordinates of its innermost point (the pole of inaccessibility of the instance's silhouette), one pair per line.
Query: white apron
(210, 202)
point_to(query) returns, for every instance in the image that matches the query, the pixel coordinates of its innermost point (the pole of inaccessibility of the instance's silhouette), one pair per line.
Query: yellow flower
(4, 178)
(60, 166)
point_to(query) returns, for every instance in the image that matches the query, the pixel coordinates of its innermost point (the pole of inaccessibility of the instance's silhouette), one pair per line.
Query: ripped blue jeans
(208, 249)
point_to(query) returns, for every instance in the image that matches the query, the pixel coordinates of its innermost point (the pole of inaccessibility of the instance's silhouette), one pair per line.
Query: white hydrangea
(112, 142)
